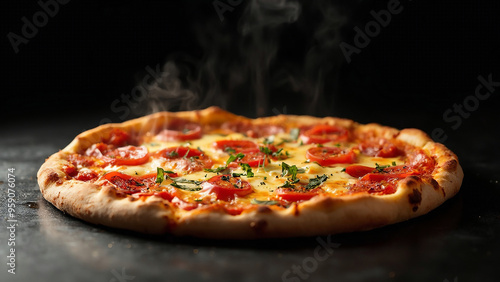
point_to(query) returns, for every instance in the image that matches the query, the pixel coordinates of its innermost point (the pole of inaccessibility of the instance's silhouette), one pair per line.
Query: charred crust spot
(415, 198)
(264, 209)
(450, 165)
(52, 177)
(258, 225)
(412, 181)
(434, 184)
(415, 208)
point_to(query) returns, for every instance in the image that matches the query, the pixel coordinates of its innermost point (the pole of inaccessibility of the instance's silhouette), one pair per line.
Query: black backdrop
(427, 59)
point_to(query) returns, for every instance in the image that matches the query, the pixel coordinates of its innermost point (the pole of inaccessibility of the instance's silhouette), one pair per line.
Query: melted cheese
(266, 179)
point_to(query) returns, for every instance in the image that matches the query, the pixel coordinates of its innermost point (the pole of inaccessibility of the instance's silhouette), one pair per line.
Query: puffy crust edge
(319, 216)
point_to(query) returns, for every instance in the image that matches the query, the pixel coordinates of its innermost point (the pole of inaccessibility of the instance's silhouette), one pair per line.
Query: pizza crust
(319, 216)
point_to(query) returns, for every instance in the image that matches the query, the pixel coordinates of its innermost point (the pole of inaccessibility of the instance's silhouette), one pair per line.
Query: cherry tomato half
(297, 194)
(323, 133)
(359, 170)
(226, 187)
(326, 156)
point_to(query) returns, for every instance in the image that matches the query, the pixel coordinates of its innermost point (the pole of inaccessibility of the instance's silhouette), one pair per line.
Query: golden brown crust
(98, 204)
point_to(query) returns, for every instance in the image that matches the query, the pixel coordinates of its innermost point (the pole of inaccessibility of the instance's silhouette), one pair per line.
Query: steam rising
(274, 57)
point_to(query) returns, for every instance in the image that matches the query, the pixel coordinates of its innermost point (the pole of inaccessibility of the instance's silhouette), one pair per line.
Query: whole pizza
(213, 174)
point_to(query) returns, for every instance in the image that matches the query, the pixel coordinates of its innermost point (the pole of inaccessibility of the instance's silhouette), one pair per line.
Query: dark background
(426, 61)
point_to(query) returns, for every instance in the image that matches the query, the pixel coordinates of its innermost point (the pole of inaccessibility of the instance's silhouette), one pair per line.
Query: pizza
(213, 174)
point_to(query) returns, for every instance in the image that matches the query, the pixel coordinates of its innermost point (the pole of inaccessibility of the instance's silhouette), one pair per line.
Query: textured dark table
(456, 242)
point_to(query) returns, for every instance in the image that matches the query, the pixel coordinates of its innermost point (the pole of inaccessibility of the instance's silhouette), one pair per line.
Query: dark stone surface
(456, 242)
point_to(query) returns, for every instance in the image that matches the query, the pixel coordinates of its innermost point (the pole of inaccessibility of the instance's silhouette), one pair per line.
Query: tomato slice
(359, 170)
(297, 194)
(178, 152)
(253, 158)
(128, 155)
(180, 130)
(130, 184)
(382, 149)
(323, 133)
(326, 156)
(226, 187)
(236, 145)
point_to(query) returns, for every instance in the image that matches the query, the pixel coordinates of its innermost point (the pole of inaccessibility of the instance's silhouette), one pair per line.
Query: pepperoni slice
(358, 170)
(382, 149)
(253, 130)
(128, 155)
(184, 159)
(130, 184)
(235, 145)
(297, 194)
(118, 137)
(180, 130)
(326, 156)
(226, 187)
(323, 133)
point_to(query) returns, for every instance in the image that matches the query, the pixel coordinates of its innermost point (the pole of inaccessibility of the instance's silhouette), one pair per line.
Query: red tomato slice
(326, 156)
(236, 145)
(128, 155)
(296, 195)
(86, 175)
(323, 133)
(180, 130)
(358, 170)
(226, 187)
(382, 149)
(178, 152)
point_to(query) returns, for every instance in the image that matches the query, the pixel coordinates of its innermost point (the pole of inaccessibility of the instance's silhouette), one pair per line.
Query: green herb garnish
(315, 182)
(260, 202)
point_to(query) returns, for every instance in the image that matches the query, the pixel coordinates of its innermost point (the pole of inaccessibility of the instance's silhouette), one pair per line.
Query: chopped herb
(287, 184)
(337, 145)
(183, 180)
(198, 200)
(269, 140)
(248, 170)
(287, 169)
(393, 163)
(320, 145)
(380, 168)
(263, 183)
(199, 149)
(160, 175)
(265, 177)
(294, 133)
(301, 142)
(315, 182)
(186, 154)
(231, 159)
(188, 187)
(260, 202)
(343, 170)
(229, 150)
(225, 178)
(265, 150)
(173, 154)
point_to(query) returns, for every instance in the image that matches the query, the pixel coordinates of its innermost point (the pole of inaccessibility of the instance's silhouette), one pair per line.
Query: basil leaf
(259, 202)
(294, 133)
(315, 182)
